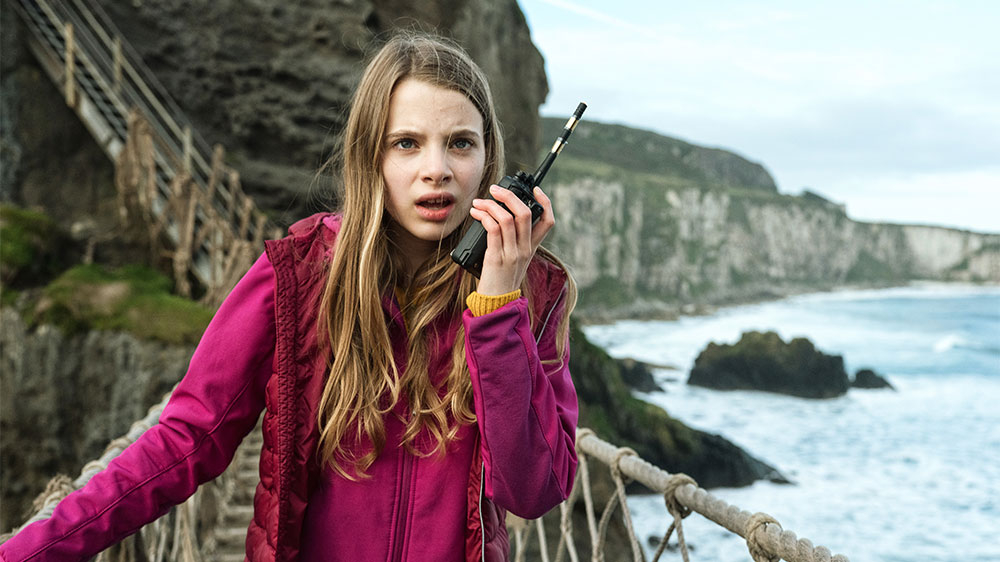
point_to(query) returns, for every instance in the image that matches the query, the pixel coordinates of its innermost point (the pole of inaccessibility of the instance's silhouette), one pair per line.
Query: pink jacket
(257, 355)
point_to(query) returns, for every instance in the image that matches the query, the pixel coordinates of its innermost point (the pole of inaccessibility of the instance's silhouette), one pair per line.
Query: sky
(891, 108)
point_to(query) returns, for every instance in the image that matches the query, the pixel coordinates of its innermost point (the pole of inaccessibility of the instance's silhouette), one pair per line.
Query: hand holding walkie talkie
(472, 248)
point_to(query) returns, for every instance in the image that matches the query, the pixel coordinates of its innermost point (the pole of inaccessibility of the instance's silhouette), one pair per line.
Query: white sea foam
(912, 475)
(948, 343)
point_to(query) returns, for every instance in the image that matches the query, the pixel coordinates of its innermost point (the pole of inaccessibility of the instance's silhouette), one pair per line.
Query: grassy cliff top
(645, 152)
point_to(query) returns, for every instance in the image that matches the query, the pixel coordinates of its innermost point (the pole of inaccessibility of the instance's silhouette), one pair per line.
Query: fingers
(514, 225)
(511, 240)
(545, 222)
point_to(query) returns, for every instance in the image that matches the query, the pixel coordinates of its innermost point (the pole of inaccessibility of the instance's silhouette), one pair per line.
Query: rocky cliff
(270, 80)
(63, 398)
(650, 230)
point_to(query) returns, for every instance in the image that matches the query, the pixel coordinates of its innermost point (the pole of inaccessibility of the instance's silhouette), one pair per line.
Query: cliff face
(64, 398)
(647, 243)
(270, 80)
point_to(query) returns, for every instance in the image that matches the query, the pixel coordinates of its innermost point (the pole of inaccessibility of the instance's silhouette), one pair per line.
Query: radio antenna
(543, 168)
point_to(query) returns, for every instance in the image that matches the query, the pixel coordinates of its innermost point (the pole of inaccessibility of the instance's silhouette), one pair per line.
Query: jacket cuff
(480, 304)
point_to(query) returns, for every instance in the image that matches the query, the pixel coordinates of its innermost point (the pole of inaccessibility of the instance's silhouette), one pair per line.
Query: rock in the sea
(867, 378)
(763, 361)
(638, 375)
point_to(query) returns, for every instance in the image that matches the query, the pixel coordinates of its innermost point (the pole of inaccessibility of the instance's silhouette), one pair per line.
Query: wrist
(480, 304)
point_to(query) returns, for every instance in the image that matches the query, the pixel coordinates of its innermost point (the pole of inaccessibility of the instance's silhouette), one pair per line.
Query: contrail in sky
(599, 16)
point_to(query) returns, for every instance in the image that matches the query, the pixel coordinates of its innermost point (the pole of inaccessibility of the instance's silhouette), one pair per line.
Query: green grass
(133, 299)
(30, 244)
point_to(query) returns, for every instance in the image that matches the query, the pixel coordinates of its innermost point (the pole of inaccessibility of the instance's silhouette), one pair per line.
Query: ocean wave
(949, 342)
(916, 290)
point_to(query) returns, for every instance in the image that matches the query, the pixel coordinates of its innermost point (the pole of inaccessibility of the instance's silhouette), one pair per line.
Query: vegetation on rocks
(133, 299)
(39, 279)
(32, 248)
(608, 407)
(763, 361)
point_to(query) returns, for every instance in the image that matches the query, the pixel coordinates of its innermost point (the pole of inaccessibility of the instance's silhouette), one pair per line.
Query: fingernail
(495, 189)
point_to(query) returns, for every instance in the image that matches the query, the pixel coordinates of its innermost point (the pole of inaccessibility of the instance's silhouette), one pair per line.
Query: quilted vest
(288, 466)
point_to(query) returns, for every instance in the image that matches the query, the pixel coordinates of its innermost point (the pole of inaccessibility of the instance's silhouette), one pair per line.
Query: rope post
(70, 68)
(188, 148)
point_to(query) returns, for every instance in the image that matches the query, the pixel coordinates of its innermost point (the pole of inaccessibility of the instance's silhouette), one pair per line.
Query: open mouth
(435, 202)
(435, 207)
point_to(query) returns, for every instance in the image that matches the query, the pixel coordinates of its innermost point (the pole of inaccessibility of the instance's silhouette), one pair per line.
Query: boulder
(867, 378)
(638, 375)
(763, 361)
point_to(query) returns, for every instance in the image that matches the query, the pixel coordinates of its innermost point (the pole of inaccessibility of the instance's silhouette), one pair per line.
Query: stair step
(239, 512)
(245, 475)
(231, 536)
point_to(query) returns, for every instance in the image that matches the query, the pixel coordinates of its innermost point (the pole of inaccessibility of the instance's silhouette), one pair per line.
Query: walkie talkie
(471, 249)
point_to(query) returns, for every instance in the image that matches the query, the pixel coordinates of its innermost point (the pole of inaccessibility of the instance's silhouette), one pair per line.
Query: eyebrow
(464, 132)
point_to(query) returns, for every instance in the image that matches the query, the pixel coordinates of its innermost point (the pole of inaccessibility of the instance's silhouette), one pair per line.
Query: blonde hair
(363, 382)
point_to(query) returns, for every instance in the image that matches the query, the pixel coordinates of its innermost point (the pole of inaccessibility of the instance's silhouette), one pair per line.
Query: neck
(412, 251)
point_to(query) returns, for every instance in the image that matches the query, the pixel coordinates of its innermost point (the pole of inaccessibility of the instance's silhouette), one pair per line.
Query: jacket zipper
(404, 501)
(482, 523)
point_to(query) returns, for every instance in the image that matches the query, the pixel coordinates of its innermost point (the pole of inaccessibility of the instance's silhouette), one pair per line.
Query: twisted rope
(678, 511)
(766, 541)
(756, 524)
(768, 538)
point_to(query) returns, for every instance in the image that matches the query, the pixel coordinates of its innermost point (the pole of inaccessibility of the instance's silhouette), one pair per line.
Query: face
(432, 163)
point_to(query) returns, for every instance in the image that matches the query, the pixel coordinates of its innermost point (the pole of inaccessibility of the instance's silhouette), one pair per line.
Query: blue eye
(406, 144)
(462, 144)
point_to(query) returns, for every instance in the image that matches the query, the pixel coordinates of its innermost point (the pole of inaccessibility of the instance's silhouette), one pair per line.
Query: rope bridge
(211, 525)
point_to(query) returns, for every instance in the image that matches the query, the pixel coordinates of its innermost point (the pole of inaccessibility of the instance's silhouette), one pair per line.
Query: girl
(406, 405)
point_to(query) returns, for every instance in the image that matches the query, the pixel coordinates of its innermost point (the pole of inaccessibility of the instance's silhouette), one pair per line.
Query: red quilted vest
(289, 470)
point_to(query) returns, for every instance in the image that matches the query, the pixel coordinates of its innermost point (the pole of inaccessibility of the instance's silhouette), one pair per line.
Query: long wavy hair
(363, 383)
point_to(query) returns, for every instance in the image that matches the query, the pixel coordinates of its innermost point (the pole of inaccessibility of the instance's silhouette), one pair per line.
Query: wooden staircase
(108, 86)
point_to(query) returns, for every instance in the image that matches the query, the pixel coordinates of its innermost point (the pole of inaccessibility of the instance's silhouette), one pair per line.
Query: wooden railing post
(117, 55)
(70, 68)
(187, 149)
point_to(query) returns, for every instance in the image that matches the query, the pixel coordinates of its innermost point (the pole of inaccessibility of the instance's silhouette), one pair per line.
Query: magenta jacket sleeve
(526, 408)
(211, 410)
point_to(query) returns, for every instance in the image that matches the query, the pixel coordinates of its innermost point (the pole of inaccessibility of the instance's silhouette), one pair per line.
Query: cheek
(473, 176)
(392, 181)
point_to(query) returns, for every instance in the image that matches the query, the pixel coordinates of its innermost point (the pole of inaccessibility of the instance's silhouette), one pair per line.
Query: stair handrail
(104, 68)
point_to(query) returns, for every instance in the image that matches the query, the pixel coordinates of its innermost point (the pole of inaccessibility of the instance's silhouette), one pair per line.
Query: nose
(436, 168)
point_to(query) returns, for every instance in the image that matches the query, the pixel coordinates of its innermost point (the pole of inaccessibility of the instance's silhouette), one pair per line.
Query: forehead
(419, 105)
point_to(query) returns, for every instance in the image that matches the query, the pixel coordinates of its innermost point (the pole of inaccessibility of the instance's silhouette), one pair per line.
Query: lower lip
(435, 214)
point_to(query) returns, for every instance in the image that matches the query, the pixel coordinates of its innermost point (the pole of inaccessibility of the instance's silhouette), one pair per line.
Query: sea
(878, 475)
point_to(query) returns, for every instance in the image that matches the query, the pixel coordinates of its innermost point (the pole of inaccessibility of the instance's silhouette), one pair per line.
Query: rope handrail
(766, 539)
